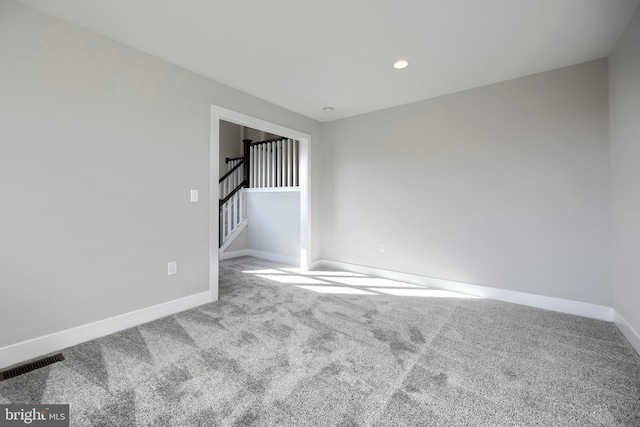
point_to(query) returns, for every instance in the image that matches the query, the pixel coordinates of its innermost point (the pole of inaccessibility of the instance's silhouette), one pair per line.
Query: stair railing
(264, 164)
(274, 163)
(232, 204)
(233, 178)
(232, 213)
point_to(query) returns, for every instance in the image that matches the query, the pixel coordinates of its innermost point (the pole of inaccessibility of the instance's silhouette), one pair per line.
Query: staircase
(265, 164)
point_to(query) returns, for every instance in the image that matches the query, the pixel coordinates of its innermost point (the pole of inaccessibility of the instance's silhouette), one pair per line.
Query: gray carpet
(338, 349)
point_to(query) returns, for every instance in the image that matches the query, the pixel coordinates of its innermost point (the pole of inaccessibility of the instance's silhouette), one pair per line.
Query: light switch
(194, 195)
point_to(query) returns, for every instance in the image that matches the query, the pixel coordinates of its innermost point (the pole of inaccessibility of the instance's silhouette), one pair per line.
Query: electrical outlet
(382, 248)
(173, 268)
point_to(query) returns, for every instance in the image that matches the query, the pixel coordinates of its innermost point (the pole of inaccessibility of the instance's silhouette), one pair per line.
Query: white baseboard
(234, 254)
(627, 330)
(260, 254)
(539, 301)
(57, 341)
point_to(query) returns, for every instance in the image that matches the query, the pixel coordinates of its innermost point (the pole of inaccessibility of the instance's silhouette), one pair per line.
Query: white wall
(100, 145)
(230, 144)
(624, 79)
(274, 222)
(256, 135)
(505, 186)
(240, 243)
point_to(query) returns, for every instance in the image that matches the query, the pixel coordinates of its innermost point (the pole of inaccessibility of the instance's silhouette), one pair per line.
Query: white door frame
(219, 113)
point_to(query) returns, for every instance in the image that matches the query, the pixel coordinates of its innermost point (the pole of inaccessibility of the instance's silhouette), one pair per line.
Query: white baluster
(272, 161)
(266, 161)
(263, 175)
(252, 162)
(279, 161)
(269, 165)
(230, 224)
(283, 163)
(230, 217)
(260, 166)
(257, 165)
(288, 170)
(263, 155)
(295, 163)
(265, 172)
(234, 208)
(283, 170)
(231, 220)
(224, 223)
(256, 159)
(237, 215)
(274, 158)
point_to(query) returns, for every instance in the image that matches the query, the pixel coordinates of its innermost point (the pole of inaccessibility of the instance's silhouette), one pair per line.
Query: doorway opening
(219, 118)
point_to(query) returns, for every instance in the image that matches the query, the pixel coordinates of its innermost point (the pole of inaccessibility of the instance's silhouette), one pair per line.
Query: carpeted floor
(331, 348)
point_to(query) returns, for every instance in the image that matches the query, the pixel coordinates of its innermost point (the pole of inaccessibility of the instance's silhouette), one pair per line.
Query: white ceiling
(308, 54)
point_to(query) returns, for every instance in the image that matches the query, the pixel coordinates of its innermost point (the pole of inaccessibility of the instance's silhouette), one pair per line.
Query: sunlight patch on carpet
(292, 279)
(336, 290)
(430, 293)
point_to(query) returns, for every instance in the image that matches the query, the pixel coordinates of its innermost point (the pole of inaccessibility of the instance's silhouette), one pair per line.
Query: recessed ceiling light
(328, 109)
(399, 65)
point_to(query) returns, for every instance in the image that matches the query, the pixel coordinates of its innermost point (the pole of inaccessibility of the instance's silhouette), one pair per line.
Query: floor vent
(31, 366)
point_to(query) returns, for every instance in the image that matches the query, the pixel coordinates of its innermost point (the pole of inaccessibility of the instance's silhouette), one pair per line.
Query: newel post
(247, 160)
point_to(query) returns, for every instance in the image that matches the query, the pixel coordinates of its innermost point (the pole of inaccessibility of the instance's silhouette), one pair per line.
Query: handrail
(267, 141)
(233, 169)
(231, 159)
(235, 190)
